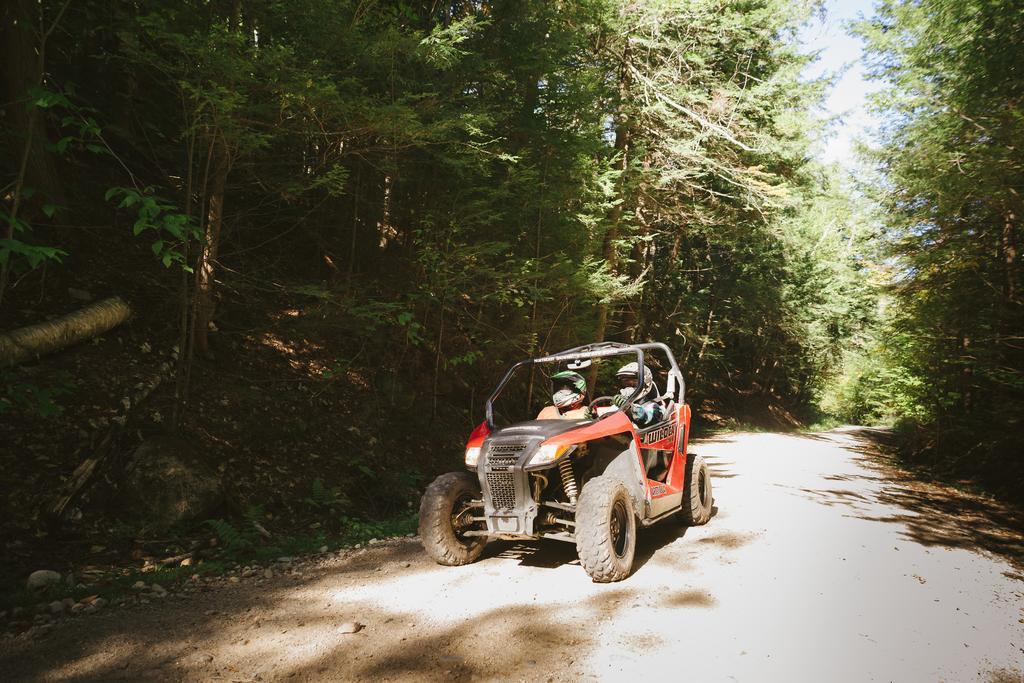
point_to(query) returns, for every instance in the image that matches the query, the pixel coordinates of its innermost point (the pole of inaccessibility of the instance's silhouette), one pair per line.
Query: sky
(847, 99)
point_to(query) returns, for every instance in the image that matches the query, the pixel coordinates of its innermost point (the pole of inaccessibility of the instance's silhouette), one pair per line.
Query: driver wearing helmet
(569, 396)
(646, 410)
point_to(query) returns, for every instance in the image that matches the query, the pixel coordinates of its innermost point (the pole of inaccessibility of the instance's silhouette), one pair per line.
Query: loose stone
(41, 580)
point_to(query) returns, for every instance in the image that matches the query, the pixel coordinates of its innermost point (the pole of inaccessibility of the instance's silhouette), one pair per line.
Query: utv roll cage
(675, 388)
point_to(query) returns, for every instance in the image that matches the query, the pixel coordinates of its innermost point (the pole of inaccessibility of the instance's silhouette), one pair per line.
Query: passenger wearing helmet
(569, 396)
(646, 410)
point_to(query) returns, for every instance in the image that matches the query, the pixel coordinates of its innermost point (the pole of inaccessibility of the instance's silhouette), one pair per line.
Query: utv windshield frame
(675, 388)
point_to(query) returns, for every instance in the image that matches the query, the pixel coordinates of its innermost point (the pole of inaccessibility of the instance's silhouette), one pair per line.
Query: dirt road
(823, 563)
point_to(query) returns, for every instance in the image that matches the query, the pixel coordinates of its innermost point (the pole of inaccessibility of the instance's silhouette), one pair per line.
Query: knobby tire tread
(436, 533)
(593, 540)
(693, 512)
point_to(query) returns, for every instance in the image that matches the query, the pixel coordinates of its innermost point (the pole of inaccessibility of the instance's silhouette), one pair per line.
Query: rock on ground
(41, 580)
(168, 485)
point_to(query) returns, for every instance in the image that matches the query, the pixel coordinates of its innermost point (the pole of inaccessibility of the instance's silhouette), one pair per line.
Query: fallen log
(32, 341)
(85, 471)
(82, 474)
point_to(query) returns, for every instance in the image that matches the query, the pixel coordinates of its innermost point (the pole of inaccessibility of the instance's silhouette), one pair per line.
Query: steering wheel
(601, 400)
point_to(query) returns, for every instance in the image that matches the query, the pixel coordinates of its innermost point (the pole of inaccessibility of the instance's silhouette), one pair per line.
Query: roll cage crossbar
(675, 389)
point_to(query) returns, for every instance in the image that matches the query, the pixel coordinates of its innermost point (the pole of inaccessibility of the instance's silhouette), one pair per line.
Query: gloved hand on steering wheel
(634, 410)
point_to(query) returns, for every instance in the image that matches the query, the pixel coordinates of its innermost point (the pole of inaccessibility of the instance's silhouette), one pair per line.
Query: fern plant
(320, 497)
(231, 538)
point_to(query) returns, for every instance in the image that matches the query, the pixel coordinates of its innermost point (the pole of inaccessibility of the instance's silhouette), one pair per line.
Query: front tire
(605, 530)
(697, 498)
(443, 509)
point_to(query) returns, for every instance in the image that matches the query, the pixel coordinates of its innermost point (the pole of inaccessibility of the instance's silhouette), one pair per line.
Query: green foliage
(360, 531)
(23, 393)
(441, 46)
(948, 364)
(15, 249)
(468, 358)
(596, 275)
(233, 540)
(172, 227)
(334, 180)
(79, 130)
(411, 327)
(33, 254)
(320, 497)
(77, 123)
(873, 389)
(238, 542)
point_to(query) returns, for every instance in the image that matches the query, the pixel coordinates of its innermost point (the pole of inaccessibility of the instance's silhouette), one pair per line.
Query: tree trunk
(638, 262)
(28, 343)
(355, 229)
(387, 232)
(711, 305)
(181, 372)
(24, 62)
(966, 374)
(623, 134)
(24, 68)
(537, 250)
(1009, 252)
(205, 305)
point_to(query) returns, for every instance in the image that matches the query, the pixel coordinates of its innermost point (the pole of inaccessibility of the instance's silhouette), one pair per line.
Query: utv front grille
(501, 457)
(502, 463)
(505, 449)
(503, 490)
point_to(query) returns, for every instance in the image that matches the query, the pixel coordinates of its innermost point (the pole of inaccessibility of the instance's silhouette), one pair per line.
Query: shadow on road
(549, 554)
(295, 631)
(931, 513)
(720, 469)
(425, 622)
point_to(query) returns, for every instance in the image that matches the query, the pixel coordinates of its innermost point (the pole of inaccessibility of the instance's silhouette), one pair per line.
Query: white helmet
(629, 372)
(568, 389)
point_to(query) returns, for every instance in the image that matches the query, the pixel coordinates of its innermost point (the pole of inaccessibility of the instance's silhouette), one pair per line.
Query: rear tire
(697, 498)
(443, 502)
(605, 530)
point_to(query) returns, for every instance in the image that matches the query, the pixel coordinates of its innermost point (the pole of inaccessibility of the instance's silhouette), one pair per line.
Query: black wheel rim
(618, 528)
(702, 487)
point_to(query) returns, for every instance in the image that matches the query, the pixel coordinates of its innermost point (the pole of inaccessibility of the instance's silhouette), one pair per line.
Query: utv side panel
(610, 425)
(626, 467)
(677, 475)
(545, 429)
(662, 503)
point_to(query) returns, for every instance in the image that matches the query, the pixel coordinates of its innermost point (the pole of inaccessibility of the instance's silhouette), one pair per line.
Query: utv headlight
(472, 455)
(549, 453)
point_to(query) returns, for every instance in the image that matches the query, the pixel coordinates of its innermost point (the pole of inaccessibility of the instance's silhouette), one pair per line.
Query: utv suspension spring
(568, 480)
